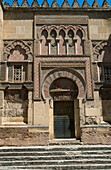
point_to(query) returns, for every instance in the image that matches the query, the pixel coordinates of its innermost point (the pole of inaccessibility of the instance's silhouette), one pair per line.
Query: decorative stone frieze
(95, 4)
(75, 4)
(65, 4)
(15, 3)
(45, 4)
(55, 4)
(6, 4)
(25, 3)
(85, 4)
(35, 4)
(105, 4)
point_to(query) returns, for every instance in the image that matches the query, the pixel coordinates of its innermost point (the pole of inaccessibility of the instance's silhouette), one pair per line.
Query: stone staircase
(56, 157)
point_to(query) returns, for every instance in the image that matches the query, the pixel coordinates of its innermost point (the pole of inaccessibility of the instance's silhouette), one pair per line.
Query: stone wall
(1, 31)
(15, 111)
(18, 25)
(100, 28)
(20, 136)
(93, 135)
(106, 110)
(37, 110)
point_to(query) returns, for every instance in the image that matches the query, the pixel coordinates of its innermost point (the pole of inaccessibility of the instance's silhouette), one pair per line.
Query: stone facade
(55, 71)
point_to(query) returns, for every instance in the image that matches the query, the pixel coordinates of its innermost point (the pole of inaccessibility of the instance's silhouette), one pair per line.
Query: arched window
(71, 49)
(44, 43)
(79, 44)
(105, 67)
(105, 54)
(17, 65)
(62, 44)
(53, 42)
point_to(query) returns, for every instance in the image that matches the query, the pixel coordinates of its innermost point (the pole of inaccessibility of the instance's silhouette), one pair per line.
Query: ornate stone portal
(55, 73)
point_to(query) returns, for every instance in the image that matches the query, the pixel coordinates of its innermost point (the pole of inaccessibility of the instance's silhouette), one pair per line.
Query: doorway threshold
(68, 141)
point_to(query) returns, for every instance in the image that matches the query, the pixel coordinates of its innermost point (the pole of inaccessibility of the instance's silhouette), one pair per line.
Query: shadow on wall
(105, 91)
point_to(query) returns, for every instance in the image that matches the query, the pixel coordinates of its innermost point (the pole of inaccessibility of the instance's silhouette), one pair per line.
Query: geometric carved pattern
(63, 73)
(12, 47)
(107, 73)
(37, 83)
(17, 73)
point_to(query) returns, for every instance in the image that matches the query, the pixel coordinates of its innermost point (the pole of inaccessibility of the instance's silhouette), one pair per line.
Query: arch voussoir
(60, 74)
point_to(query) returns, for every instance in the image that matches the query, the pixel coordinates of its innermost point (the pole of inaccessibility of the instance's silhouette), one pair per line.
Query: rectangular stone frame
(62, 20)
(37, 68)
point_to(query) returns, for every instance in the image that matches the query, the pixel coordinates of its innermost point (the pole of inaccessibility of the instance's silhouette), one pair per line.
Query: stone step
(65, 142)
(52, 153)
(55, 162)
(61, 167)
(57, 148)
(58, 157)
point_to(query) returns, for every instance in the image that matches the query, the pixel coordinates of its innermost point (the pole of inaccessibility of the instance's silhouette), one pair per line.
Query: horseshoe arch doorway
(64, 92)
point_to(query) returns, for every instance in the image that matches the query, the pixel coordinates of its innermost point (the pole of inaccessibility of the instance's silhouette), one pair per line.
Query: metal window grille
(107, 73)
(17, 73)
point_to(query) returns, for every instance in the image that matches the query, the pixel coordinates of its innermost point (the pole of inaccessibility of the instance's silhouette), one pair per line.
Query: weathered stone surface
(10, 113)
(85, 4)
(25, 3)
(1, 112)
(35, 4)
(55, 4)
(65, 4)
(15, 3)
(45, 4)
(67, 49)
(95, 4)
(91, 121)
(6, 4)
(75, 4)
(105, 4)
(15, 136)
(16, 109)
(96, 135)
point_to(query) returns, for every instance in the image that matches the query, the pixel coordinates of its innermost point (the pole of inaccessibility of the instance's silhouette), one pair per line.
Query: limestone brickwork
(55, 54)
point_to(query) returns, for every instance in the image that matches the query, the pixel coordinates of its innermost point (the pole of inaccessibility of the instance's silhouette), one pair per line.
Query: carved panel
(17, 50)
(102, 51)
(65, 59)
(16, 95)
(60, 39)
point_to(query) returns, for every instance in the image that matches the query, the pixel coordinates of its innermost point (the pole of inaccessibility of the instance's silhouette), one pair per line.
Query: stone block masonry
(20, 136)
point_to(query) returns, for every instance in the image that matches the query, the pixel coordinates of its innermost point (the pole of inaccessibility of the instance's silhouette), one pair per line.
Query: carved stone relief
(91, 121)
(13, 50)
(102, 51)
(55, 4)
